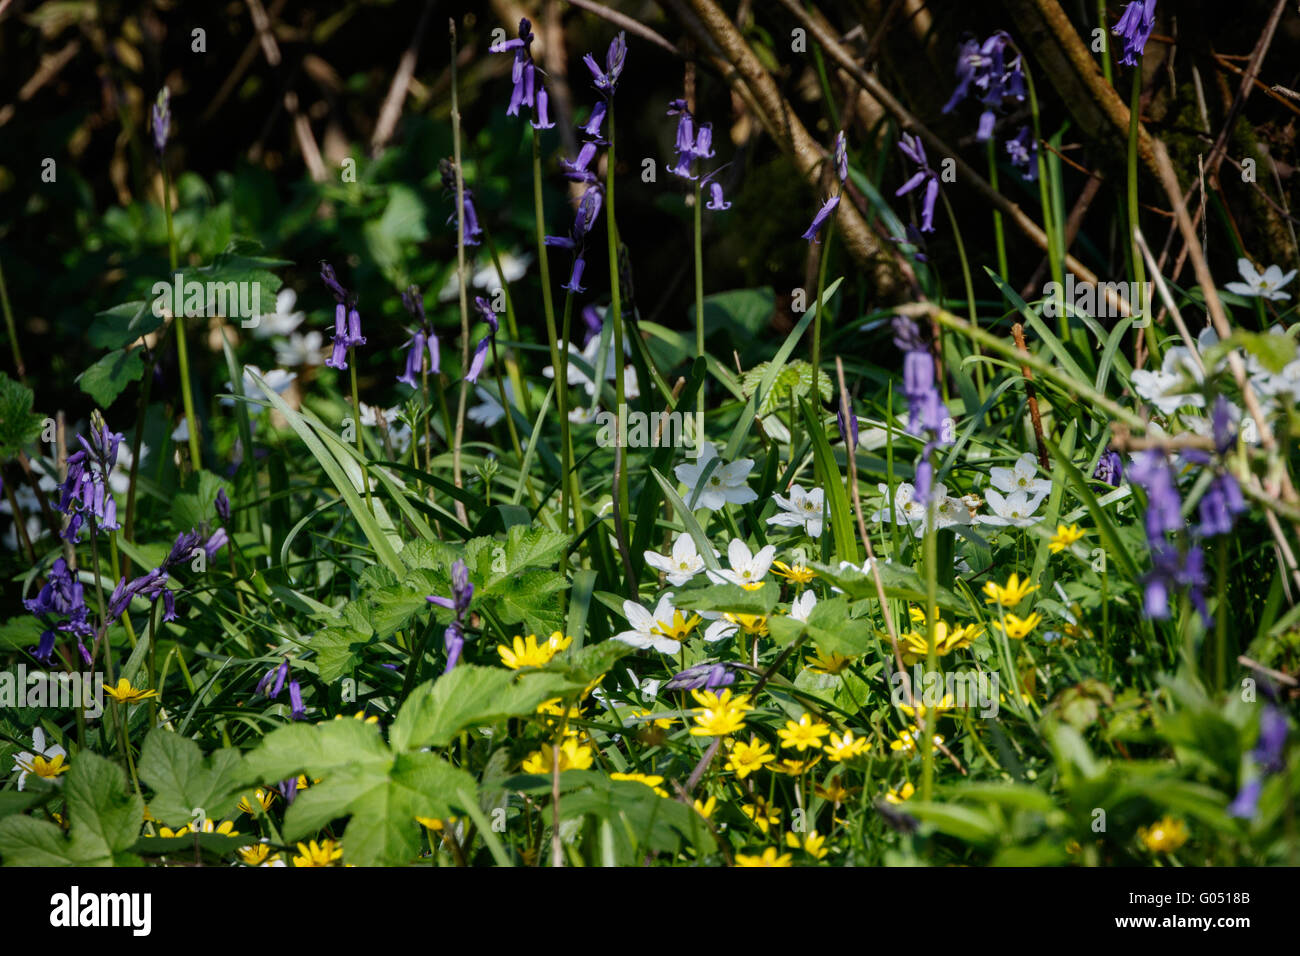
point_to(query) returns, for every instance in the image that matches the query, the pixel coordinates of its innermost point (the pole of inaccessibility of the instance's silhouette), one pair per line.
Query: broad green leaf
(184, 782)
(106, 379)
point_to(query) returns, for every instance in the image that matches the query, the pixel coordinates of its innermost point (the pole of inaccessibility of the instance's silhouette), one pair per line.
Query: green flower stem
(966, 276)
(931, 559)
(998, 236)
(1055, 247)
(621, 497)
(12, 330)
(821, 285)
(699, 292)
(356, 408)
(182, 350)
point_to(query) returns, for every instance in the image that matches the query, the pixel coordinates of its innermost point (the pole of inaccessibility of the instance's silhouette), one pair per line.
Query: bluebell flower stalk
(840, 165)
(347, 336)
(462, 592)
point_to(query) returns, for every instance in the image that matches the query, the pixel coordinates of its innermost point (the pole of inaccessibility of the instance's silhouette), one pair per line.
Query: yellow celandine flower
(813, 844)
(651, 780)
(1010, 594)
(751, 625)
(902, 793)
(318, 854)
(263, 797)
(528, 653)
(831, 663)
(258, 854)
(769, 858)
(361, 716)
(794, 767)
(1164, 836)
(49, 768)
(834, 791)
(554, 708)
(1018, 628)
(764, 815)
(706, 808)
(573, 756)
(433, 823)
(661, 722)
(906, 742)
(679, 628)
(804, 734)
(225, 828)
(169, 833)
(917, 711)
(1064, 537)
(798, 573)
(722, 715)
(914, 646)
(124, 693)
(846, 747)
(747, 758)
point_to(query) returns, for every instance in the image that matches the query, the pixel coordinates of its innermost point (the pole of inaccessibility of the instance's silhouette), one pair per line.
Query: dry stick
(967, 173)
(1279, 676)
(391, 111)
(1018, 332)
(461, 275)
(624, 22)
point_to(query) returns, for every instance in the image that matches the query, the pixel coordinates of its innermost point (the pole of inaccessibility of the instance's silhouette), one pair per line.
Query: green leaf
(121, 325)
(829, 627)
(472, 696)
(846, 544)
(731, 598)
(106, 379)
(104, 822)
(184, 782)
(18, 425)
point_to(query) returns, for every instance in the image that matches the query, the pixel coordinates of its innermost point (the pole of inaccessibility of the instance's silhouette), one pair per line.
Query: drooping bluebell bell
(273, 682)
(1110, 468)
(693, 142)
(983, 70)
(1270, 749)
(841, 157)
(592, 128)
(577, 169)
(1135, 26)
(1173, 571)
(423, 339)
(591, 324)
(223, 505)
(926, 413)
(484, 308)
(584, 221)
(462, 592)
(84, 493)
(60, 605)
(716, 201)
(214, 543)
(707, 676)
(1023, 151)
(1151, 470)
(1246, 804)
(913, 237)
(347, 320)
(911, 147)
(522, 73)
(606, 80)
(471, 231)
(819, 220)
(160, 120)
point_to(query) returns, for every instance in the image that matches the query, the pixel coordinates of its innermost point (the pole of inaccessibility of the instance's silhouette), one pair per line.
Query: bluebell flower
(1246, 804)
(480, 352)
(707, 676)
(160, 119)
(716, 202)
(1110, 468)
(606, 80)
(1151, 470)
(983, 70)
(911, 147)
(1023, 151)
(841, 157)
(1270, 749)
(223, 505)
(1135, 26)
(470, 231)
(819, 220)
(84, 492)
(347, 320)
(592, 128)
(423, 339)
(926, 412)
(462, 591)
(576, 169)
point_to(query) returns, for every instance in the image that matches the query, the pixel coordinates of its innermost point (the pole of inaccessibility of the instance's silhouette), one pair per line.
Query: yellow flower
(769, 858)
(124, 693)
(748, 758)
(722, 715)
(706, 808)
(762, 813)
(554, 708)
(361, 716)
(846, 747)
(650, 780)
(812, 844)
(169, 833)
(799, 573)
(260, 796)
(258, 854)
(573, 756)
(1164, 836)
(1018, 628)
(796, 768)
(661, 722)
(224, 828)
(49, 768)
(918, 711)
(751, 625)
(834, 791)
(831, 663)
(1064, 537)
(906, 742)
(318, 854)
(902, 793)
(679, 628)
(804, 734)
(527, 653)
(1010, 594)
(434, 824)
(914, 646)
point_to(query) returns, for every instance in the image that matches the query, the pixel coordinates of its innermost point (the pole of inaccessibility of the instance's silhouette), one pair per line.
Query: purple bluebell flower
(1110, 468)
(215, 542)
(576, 169)
(1135, 26)
(819, 220)
(606, 80)
(1171, 572)
(223, 505)
(841, 156)
(912, 237)
(707, 676)
(1023, 151)
(84, 493)
(911, 147)
(591, 324)
(1270, 749)
(1246, 804)
(716, 202)
(297, 710)
(61, 606)
(1220, 505)
(462, 591)
(273, 681)
(847, 420)
(542, 110)
(1151, 470)
(983, 70)
(583, 222)
(480, 351)
(926, 412)
(522, 72)
(592, 128)
(471, 231)
(347, 320)
(44, 651)
(423, 339)
(160, 119)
